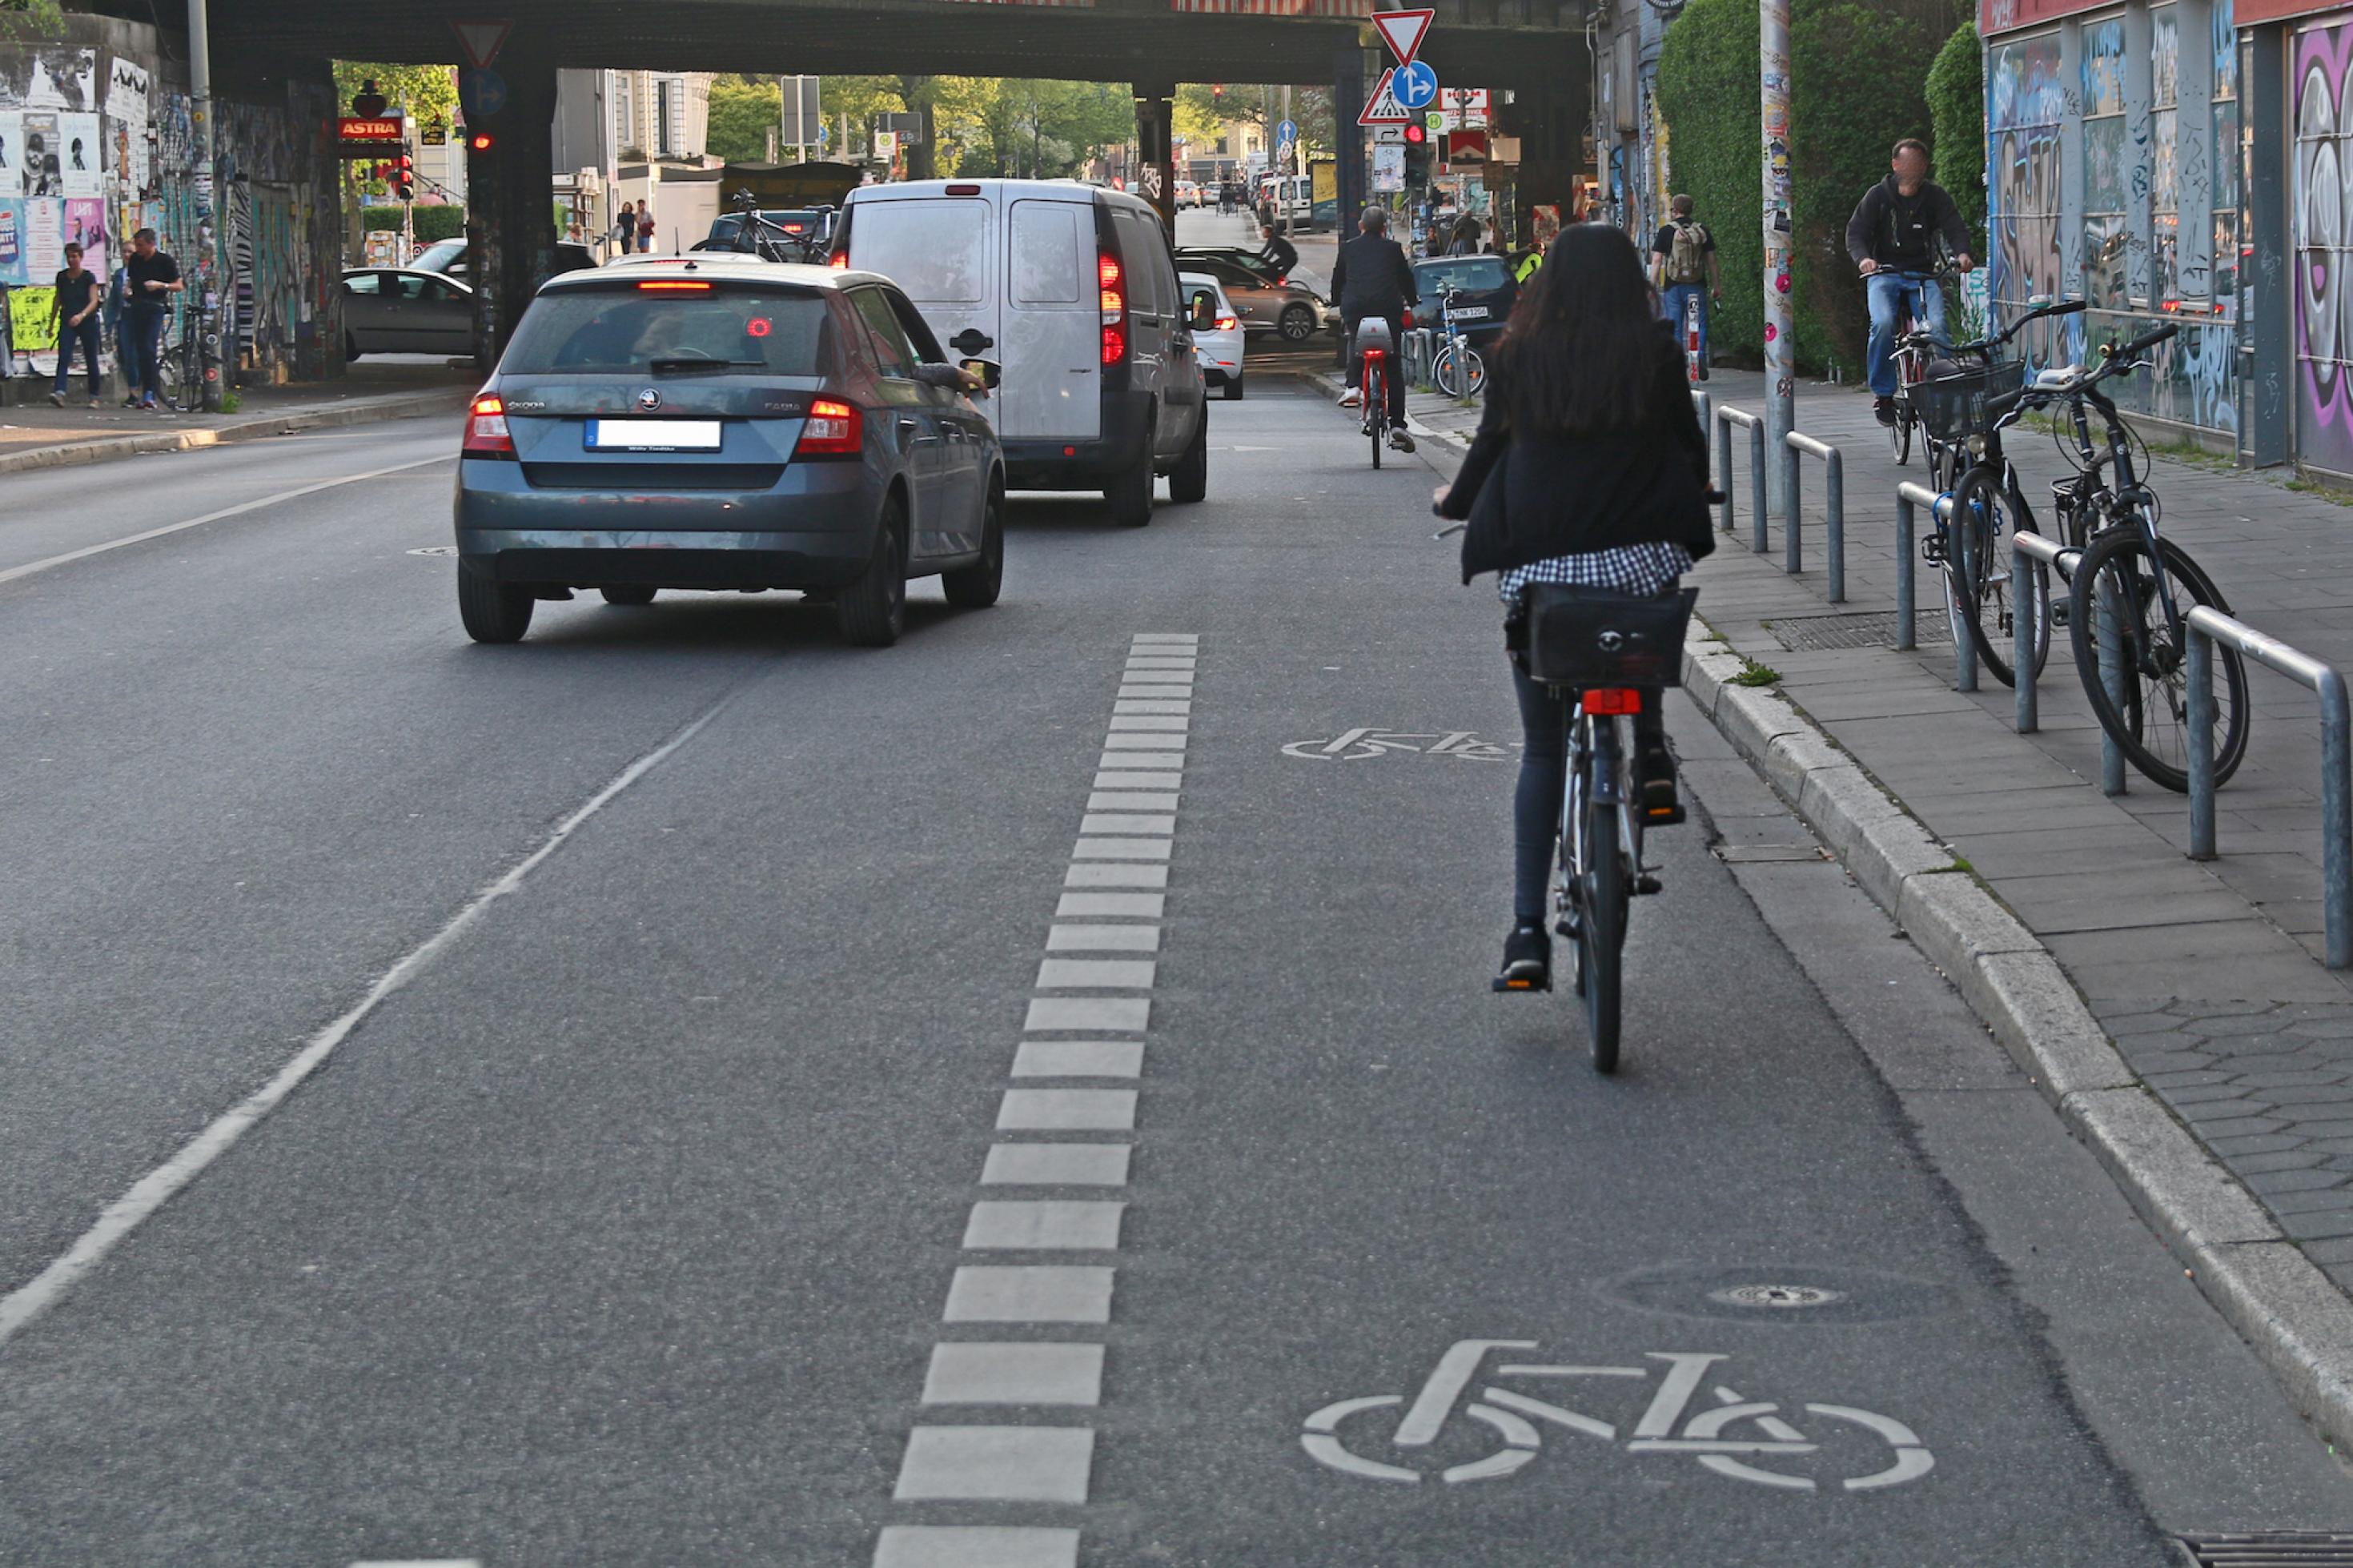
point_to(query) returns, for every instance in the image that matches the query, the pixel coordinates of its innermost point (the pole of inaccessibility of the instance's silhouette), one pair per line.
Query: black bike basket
(1952, 408)
(1592, 637)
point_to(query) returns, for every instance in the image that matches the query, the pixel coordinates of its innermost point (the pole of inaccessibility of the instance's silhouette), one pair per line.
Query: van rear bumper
(1084, 465)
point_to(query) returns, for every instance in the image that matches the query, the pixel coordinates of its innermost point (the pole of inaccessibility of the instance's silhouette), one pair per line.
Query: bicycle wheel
(1466, 373)
(170, 384)
(1982, 578)
(1376, 403)
(1899, 430)
(1602, 892)
(2150, 722)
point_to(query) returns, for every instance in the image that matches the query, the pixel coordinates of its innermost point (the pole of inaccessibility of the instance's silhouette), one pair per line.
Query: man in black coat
(1372, 279)
(1894, 237)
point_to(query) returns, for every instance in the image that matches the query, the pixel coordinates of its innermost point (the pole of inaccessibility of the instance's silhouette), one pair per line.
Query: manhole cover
(1810, 634)
(436, 550)
(2272, 1549)
(1782, 1296)
(1777, 1294)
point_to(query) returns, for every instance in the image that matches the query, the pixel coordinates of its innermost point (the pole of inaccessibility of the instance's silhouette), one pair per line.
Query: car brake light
(674, 285)
(1227, 323)
(839, 261)
(1284, 281)
(1608, 700)
(1115, 308)
(486, 430)
(831, 430)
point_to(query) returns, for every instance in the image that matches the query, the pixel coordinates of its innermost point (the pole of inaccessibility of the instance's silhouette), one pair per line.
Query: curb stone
(103, 448)
(2298, 1321)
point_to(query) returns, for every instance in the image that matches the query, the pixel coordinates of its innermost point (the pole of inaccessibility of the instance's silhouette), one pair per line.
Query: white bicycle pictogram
(1726, 1438)
(1366, 741)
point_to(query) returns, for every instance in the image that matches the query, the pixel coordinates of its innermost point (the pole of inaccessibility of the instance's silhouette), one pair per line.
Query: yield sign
(481, 40)
(1383, 109)
(1403, 31)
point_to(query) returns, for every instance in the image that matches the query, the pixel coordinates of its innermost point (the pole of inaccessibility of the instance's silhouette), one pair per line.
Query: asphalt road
(622, 1227)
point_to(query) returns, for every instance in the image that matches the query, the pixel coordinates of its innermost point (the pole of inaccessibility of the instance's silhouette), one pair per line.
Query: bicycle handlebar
(2116, 359)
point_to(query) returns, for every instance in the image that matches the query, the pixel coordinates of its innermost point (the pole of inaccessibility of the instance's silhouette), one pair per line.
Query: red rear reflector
(1070, 451)
(832, 430)
(486, 430)
(964, 190)
(1612, 700)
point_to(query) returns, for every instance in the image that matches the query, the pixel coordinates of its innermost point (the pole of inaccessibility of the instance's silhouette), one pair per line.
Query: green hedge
(1956, 108)
(1707, 91)
(433, 223)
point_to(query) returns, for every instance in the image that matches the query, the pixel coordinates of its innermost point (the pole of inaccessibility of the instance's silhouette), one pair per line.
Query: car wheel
(494, 612)
(351, 347)
(1297, 324)
(1189, 481)
(976, 587)
(873, 610)
(1234, 390)
(1130, 494)
(629, 595)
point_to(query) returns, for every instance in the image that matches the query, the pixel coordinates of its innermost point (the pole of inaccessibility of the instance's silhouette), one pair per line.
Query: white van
(1071, 290)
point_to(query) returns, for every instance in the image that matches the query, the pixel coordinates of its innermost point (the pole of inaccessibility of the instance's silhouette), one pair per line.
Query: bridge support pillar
(1155, 125)
(511, 213)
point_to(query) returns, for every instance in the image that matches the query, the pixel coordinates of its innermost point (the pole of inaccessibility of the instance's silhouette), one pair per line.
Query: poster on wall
(64, 79)
(44, 167)
(127, 86)
(86, 226)
(11, 242)
(12, 151)
(83, 157)
(45, 238)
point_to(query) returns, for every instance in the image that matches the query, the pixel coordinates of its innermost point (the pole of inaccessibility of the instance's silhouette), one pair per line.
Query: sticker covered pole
(1780, 366)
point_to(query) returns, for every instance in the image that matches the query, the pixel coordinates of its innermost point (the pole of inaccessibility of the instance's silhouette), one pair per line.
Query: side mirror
(990, 372)
(1205, 312)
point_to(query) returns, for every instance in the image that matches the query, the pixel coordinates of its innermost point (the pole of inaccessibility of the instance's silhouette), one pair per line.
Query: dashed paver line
(1056, 1165)
(1103, 939)
(1043, 1225)
(1078, 1058)
(1023, 1374)
(1030, 1293)
(1066, 1110)
(1117, 874)
(975, 1546)
(1099, 906)
(1123, 850)
(996, 1464)
(1122, 1014)
(1096, 974)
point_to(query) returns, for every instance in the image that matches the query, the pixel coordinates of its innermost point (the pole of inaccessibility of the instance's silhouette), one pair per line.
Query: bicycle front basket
(1952, 408)
(1590, 636)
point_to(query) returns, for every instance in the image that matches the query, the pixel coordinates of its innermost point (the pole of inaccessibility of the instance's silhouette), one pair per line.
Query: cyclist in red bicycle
(1373, 280)
(1894, 237)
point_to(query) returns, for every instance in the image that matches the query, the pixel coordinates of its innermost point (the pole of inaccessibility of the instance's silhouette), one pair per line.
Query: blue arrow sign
(1286, 133)
(823, 134)
(482, 93)
(1415, 85)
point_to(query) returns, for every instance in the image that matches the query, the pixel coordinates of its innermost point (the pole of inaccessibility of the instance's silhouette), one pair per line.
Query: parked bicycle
(179, 364)
(1457, 370)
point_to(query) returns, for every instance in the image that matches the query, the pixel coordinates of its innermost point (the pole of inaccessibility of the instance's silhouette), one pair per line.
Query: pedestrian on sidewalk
(1899, 231)
(645, 227)
(1374, 281)
(1590, 468)
(625, 228)
(1684, 264)
(153, 278)
(74, 319)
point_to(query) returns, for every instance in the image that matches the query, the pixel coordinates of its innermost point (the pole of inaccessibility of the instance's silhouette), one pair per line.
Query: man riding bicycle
(1894, 239)
(1373, 280)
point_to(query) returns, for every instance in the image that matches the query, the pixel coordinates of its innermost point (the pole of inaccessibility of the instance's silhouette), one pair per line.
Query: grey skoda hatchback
(716, 423)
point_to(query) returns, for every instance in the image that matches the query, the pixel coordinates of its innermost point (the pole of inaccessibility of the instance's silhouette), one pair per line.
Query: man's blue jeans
(87, 335)
(146, 329)
(1889, 292)
(1673, 300)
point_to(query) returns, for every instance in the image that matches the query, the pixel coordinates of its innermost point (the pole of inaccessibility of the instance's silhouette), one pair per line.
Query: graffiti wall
(2026, 114)
(2323, 221)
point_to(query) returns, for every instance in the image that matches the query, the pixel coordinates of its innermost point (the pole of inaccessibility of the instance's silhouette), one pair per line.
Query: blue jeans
(1889, 292)
(1673, 302)
(87, 335)
(144, 325)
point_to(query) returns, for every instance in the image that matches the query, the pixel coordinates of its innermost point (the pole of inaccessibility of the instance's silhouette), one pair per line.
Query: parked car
(448, 257)
(720, 422)
(1189, 194)
(401, 311)
(1485, 294)
(1073, 288)
(1267, 300)
(1218, 346)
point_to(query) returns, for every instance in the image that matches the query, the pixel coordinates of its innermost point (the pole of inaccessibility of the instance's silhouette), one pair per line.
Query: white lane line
(1102, 939)
(1135, 723)
(1120, 1015)
(1185, 691)
(1155, 743)
(1030, 1293)
(1078, 1058)
(154, 1189)
(1133, 780)
(996, 1464)
(1066, 1110)
(968, 1373)
(1132, 759)
(975, 1546)
(1043, 1225)
(1169, 708)
(1115, 874)
(1126, 821)
(1132, 800)
(1166, 637)
(1123, 850)
(1056, 1165)
(1094, 974)
(1103, 906)
(86, 550)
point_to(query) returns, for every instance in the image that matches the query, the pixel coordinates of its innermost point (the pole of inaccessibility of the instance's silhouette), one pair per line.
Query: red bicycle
(1374, 346)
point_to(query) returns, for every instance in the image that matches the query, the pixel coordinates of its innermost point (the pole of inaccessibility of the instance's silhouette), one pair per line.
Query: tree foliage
(1707, 91)
(1202, 110)
(743, 111)
(1957, 108)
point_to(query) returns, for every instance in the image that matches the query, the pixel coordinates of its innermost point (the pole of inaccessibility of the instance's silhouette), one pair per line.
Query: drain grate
(1810, 634)
(1783, 1295)
(2272, 1549)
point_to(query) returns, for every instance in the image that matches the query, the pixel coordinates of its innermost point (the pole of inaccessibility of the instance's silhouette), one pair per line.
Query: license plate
(1471, 312)
(653, 435)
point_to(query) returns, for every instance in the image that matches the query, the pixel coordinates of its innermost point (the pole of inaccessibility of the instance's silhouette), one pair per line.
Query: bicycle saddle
(2057, 378)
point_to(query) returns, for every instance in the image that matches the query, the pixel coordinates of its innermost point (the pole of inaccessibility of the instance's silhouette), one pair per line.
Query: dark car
(806, 229)
(1483, 295)
(448, 257)
(401, 311)
(716, 422)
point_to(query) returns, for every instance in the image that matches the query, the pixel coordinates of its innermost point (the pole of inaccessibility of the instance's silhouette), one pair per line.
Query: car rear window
(591, 332)
(1471, 274)
(937, 251)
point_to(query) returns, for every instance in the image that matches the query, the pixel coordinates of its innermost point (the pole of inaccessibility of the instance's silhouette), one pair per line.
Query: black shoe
(1883, 410)
(1527, 959)
(1703, 372)
(1660, 807)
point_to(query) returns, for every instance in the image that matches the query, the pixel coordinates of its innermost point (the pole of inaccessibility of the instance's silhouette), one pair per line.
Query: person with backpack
(1684, 264)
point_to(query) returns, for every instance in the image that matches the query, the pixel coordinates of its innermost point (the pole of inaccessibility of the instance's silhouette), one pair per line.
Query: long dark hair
(1583, 354)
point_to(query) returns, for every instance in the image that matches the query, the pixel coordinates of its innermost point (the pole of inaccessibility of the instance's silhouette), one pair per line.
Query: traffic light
(404, 178)
(481, 142)
(1417, 155)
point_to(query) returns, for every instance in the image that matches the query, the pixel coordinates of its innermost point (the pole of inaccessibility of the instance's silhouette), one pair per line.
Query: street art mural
(2322, 208)
(2025, 108)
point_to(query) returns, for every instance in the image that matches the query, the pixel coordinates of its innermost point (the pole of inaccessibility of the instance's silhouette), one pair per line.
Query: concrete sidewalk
(39, 435)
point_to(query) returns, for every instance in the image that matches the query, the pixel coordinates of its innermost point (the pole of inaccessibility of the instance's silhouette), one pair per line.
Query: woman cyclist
(1590, 468)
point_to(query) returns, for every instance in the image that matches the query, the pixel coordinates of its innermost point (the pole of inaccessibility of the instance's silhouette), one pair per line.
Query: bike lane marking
(1115, 883)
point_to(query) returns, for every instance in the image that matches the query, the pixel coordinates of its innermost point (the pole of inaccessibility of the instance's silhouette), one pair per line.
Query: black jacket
(1532, 500)
(1899, 231)
(1372, 278)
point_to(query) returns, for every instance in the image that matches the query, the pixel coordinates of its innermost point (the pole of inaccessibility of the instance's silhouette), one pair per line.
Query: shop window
(2026, 106)
(2165, 151)
(2103, 162)
(2224, 282)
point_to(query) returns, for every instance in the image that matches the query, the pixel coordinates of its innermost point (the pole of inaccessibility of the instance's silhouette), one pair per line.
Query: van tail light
(838, 260)
(1612, 700)
(1227, 323)
(831, 430)
(486, 430)
(1114, 308)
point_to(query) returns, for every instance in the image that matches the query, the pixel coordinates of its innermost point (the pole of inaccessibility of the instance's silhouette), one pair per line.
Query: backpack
(1687, 261)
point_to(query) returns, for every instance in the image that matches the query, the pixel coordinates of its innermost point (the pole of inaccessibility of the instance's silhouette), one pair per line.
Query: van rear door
(1053, 316)
(942, 253)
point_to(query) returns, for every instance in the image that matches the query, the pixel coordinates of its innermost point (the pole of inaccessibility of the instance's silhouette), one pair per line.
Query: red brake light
(1607, 699)
(1115, 308)
(486, 430)
(1227, 323)
(964, 190)
(832, 429)
(839, 261)
(674, 285)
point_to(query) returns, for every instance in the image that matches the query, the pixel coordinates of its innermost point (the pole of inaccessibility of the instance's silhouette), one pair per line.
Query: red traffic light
(481, 142)
(1416, 133)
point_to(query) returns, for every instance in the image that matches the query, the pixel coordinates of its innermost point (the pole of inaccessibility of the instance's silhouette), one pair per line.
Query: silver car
(403, 310)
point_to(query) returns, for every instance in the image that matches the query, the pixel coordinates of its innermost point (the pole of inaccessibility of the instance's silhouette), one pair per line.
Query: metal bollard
(2022, 641)
(1755, 425)
(1705, 405)
(1834, 508)
(2336, 816)
(1907, 546)
(2112, 675)
(1965, 647)
(2202, 745)
(1725, 520)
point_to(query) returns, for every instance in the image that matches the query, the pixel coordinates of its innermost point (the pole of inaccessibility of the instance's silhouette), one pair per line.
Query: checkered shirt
(1643, 569)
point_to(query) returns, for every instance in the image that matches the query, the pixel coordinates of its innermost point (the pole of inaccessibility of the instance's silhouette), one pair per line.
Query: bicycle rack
(1833, 507)
(1420, 357)
(1705, 408)
(2208, 626)
(1909, 497)
(1726, 418)
(2026, 546)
